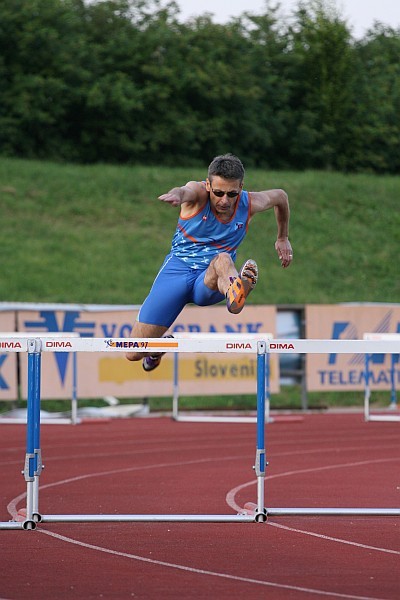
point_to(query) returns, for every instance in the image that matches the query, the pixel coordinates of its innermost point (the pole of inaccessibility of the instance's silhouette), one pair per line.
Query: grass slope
(98, 234)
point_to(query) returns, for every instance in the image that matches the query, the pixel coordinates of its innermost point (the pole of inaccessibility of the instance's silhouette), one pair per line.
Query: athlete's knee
(223, 257)
(223, 262)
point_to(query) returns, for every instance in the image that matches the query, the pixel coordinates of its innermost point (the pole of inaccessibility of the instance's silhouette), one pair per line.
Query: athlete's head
(227, 166)
(224, 184)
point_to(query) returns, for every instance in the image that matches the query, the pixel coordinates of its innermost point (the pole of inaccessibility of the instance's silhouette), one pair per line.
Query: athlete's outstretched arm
(278, 200)
(194, 192)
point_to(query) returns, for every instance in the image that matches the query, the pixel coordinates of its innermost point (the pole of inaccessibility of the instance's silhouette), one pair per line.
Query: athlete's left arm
(278, 200)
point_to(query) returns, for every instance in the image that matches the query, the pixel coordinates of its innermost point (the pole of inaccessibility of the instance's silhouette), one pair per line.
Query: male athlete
(213, 221)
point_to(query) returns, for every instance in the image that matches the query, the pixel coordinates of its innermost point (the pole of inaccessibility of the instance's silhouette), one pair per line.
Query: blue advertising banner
(347, 372)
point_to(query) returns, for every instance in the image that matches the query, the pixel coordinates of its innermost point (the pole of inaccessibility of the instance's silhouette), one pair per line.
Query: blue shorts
(176, 285)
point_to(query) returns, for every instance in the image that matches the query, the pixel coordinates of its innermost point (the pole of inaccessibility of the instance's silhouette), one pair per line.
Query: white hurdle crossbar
(394, 358)
(237, 338)
(258, 512)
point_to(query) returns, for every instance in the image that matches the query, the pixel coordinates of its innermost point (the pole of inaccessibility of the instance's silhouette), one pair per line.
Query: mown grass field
(98, 234)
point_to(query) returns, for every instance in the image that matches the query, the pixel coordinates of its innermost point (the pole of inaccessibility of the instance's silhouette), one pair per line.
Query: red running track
(158, 466)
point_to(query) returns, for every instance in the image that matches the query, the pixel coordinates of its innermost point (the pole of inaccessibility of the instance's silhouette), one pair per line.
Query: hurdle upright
(394, 359)
(259, 512)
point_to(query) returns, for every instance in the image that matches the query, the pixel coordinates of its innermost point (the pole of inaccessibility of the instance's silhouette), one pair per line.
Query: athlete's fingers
(170, 199)
(285, 252)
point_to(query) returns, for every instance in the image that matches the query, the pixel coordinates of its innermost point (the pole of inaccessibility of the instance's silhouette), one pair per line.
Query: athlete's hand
(173, 198)
(285, 252)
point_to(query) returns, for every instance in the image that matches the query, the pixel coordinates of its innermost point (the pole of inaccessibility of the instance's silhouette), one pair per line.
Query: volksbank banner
(102, 374)
(342, 371)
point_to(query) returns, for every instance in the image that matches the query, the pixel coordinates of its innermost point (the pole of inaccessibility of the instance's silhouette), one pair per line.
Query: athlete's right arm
(192, 194)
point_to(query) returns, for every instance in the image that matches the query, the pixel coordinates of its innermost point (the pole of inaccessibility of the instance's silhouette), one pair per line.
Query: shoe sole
(241, 287)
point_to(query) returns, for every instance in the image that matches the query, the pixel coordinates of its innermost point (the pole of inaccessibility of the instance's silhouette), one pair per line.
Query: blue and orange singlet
(202, 236)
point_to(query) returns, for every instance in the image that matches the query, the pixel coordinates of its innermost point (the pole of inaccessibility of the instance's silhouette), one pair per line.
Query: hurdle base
(235, 419)
(327, 512)
(11, 525)
(248, 516)
(43, 421)
(214, 419)
(393, 418)
(238, 518)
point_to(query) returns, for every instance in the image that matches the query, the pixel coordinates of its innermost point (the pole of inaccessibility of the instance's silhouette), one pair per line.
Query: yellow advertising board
(8, 361)
(99, 374)
(327, 372)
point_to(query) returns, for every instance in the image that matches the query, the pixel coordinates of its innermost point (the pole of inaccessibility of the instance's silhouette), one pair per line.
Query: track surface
(155, 465)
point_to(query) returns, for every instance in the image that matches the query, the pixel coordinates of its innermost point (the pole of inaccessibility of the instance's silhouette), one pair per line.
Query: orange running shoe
(241, 286)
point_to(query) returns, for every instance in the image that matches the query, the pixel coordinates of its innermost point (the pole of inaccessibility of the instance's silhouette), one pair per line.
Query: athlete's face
(223, 195)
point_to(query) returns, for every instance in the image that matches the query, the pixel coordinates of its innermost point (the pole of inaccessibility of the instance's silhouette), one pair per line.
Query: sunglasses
(221, 194)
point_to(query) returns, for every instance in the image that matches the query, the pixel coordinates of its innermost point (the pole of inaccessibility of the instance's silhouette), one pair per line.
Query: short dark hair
(227, 166)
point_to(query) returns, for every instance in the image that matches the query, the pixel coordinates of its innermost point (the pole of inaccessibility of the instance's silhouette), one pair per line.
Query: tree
(377, 93)
(321, 73)
(267, 133)
(40, 43)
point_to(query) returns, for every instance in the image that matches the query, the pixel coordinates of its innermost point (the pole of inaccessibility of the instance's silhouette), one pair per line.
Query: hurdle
(394, 358)
(257, 512)
(238, 338)
(74, 391)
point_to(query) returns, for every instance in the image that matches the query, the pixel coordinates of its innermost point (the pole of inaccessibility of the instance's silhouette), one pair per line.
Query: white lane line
(231, 501)
(12, 508)
(203, 571)
(333, 539)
